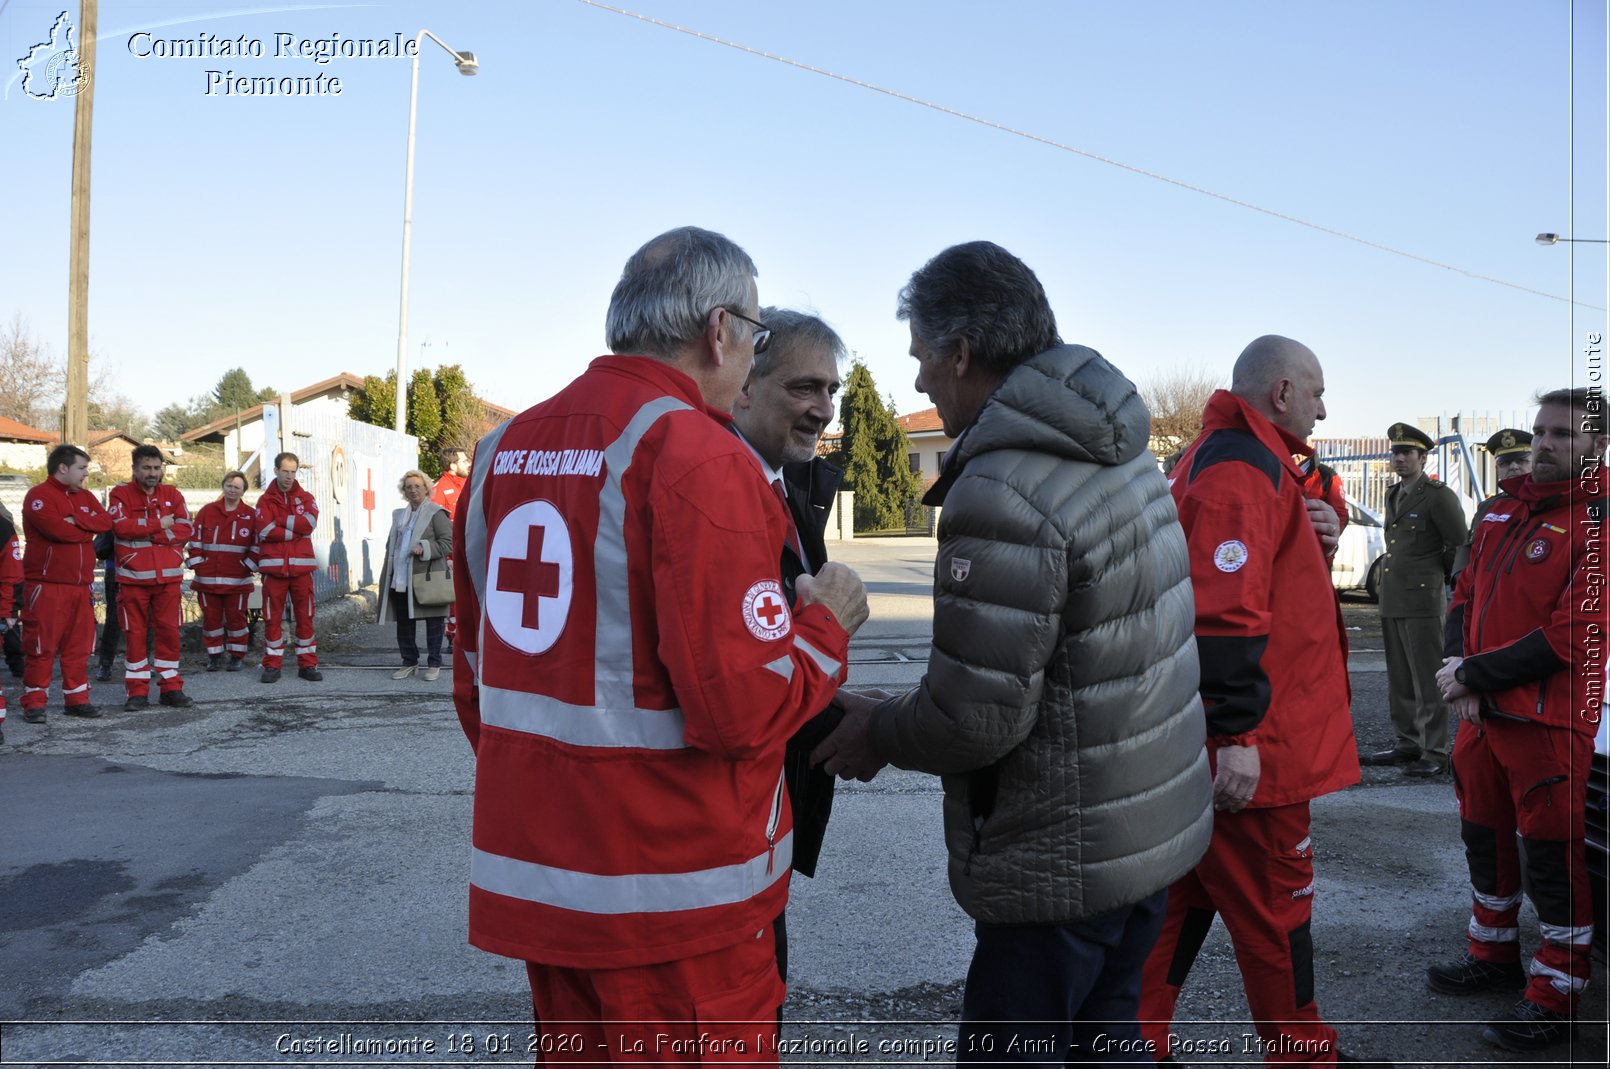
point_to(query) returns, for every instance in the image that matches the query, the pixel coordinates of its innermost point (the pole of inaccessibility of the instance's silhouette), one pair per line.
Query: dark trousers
(408, 634)
(112, 629)
(1055, 994)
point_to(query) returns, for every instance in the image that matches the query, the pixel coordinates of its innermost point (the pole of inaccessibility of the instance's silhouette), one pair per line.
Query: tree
(461, 410)
(424, 408)
(442, 410)
(171, 421)
(875, 454)
(31, 378)
(375, 402)
(1176, 398)
(235, 393)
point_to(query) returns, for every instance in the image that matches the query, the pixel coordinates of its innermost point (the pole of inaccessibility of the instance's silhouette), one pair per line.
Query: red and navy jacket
(628, 672)
(147, 553)
(1529, 612)
(56, 550)
(285, 523)
(220, 549)
(1268, 625)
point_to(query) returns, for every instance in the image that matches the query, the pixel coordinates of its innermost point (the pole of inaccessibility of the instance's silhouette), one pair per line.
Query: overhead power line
(1097, 157)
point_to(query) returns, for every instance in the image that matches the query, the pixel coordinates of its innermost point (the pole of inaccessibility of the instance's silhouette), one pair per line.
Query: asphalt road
(277, 877)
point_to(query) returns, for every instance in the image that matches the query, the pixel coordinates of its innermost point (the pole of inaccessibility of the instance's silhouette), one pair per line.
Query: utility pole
(77, 421)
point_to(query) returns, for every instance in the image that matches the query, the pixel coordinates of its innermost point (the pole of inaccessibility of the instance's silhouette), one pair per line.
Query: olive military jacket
(1424, 529)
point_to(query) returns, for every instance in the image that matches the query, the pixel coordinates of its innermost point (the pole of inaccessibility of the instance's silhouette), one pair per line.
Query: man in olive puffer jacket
(1060, 704)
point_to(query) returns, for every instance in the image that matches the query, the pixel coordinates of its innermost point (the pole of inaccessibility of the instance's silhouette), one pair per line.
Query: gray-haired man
(628, 672)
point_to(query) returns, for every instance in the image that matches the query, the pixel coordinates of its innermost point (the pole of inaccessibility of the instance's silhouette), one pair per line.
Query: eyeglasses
(762, 331)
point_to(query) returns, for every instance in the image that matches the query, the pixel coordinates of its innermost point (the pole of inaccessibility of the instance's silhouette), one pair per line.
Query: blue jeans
(408, 634)
(1049, 994)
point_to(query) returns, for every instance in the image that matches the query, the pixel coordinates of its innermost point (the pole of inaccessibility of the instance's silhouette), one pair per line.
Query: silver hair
(983, 293)
(416, 474)
(792, 331)
(669, 287)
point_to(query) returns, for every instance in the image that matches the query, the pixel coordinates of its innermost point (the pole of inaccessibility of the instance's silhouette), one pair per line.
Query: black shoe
(136, 702)
(104, 671)
(176, 698)
(215, 661)
(312, 675)
(1425, 767)
(33, 716)
(271, 675)
(1393, 756)
(1471, 974)
(1529, 1028)
(234, 665)
(83, 709)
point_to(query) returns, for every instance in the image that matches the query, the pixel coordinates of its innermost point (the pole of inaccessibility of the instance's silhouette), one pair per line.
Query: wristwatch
(1459, 675)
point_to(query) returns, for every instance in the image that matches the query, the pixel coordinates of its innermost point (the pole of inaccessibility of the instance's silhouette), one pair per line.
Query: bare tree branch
(1176, 398)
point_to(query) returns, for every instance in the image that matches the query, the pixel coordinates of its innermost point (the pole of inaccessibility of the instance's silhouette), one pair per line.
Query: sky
(265, 231)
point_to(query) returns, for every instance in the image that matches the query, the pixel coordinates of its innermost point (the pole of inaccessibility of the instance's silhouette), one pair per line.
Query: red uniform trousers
(1258, 874)
(299, 589)
(223, 621)
(712, 1009)
(58, 620)
(1522, 794)
(152, 609)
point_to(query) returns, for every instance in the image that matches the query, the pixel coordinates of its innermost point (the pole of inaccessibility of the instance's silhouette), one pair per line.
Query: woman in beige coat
(421, 541)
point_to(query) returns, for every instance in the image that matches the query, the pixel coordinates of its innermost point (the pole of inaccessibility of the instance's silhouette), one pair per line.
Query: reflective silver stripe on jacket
(130, 573)
(581, 725)
(222, 580)
(667, 892)
(218, 547)
(132, 543)
(612, 657)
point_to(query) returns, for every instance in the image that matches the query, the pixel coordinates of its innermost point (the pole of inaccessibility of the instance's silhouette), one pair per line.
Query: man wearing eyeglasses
(628, 674)
(1511, 450)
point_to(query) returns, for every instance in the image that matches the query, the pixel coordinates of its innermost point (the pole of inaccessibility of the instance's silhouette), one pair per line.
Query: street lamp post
(1555, 239)
(467, 65)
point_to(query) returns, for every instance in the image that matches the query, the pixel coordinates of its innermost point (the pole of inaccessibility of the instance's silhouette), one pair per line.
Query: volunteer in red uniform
(10, 576)
(151, 525)
(628, 674)
(286, 516)
(449, 488)
(1274, 683)
(1525, 673)
(60, 520)
(220, 558)
(455, 476)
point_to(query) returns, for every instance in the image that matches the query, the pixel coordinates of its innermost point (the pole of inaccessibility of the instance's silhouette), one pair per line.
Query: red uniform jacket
(10, 569)
(628, 672)
(147, 553)
(220, 549)
(447, 492)
(285, 525)
(58, 551)
(1529, 612)
(1268, 626)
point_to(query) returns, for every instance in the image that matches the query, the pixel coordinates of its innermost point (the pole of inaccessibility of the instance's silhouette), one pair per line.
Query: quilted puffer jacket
(1060, 705)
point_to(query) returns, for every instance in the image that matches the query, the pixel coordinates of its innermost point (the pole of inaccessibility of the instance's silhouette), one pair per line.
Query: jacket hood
(1069, 402)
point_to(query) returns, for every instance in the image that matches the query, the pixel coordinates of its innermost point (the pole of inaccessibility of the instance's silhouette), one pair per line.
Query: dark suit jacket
(809, 486)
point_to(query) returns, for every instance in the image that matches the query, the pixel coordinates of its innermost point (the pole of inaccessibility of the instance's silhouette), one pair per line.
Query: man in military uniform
(1424, 529)
(1511, 451)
